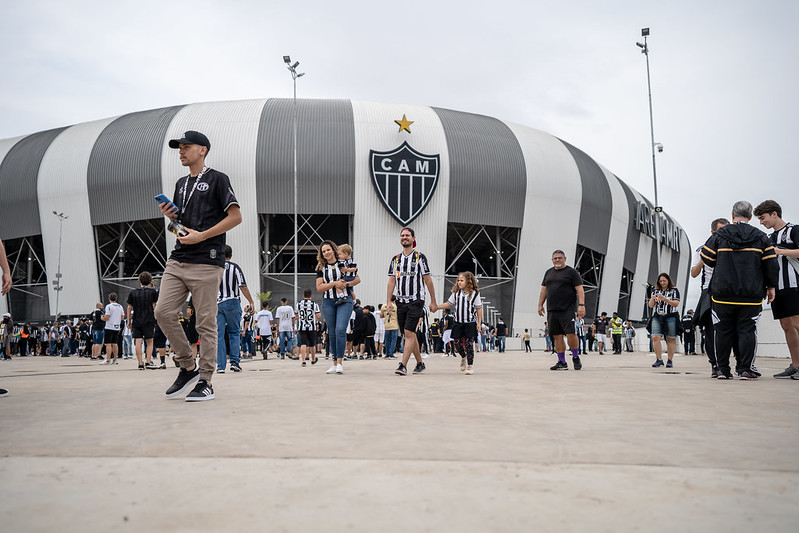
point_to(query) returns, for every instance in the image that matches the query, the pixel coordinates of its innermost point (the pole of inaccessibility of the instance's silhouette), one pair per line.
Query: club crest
(404, 180)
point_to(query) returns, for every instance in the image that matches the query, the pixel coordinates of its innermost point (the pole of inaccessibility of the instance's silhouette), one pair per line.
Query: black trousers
(735, 324)
(616, 342)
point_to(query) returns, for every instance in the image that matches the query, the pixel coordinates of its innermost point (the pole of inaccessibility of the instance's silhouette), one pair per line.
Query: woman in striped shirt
(328, 282)
(664, 302)
(468, 306)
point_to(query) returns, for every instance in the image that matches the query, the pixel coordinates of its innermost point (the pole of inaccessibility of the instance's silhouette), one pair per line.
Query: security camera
(659, 146)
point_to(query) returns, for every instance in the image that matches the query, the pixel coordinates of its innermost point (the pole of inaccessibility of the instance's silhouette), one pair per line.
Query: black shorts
(142, 331)
(561, 322)
(408, 314)
(111, 336)
(357, 338)
(465, 330)
(786, 303)
(308, 338)
(159, 339)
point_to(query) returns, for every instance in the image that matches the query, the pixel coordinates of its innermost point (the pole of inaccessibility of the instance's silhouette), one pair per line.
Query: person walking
(389, 313)
(205, 208)
(329, 282)
(664, 302)
(264, 320)
(409, 274)
(113, 317)
(141, 318)
(228, 313)
(308, 314)
(616, 329)
(562, 291)
(526, 338)
(468, 306)
(285, 327)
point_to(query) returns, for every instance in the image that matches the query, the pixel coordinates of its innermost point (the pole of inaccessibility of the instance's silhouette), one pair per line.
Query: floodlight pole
(294, 75)
(58, 287)
(658, 209)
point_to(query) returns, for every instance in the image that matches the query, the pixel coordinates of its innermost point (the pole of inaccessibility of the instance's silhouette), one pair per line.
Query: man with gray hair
(745, 271)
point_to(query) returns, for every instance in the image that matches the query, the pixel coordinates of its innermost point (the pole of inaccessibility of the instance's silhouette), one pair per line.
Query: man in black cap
(206, 207)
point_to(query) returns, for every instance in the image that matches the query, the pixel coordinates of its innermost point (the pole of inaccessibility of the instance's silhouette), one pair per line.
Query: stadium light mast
(57, 282)
(294, 75)
(658, 209)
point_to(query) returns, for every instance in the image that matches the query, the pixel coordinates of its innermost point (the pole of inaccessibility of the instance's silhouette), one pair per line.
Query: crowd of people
(196, 312)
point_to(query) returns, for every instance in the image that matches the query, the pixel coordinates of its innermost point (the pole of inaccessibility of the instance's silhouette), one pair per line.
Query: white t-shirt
(264, 319)
(284, 315)
(115, 312)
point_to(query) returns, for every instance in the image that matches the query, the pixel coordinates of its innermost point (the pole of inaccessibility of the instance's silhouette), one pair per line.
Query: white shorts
(447, 337)
(380, 336)
(601, 337)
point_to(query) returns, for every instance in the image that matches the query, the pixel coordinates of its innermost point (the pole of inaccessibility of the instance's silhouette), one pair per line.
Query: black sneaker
(141, 367)
(714, 372)
(748, 375)
(787, 373)
(401, 370)
(186, 378)
(560, 365)
(235, 367)
(577, 363)
(3, 392)
(724, 375)
(419, 368)
(202, 391)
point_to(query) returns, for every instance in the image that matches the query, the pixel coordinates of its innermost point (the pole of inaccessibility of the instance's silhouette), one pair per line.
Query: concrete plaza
(617, 446)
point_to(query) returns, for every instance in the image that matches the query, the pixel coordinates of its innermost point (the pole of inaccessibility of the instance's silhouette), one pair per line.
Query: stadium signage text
(644, 221)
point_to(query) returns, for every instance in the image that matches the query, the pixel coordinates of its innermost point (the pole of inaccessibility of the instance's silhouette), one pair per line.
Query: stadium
(484, 195)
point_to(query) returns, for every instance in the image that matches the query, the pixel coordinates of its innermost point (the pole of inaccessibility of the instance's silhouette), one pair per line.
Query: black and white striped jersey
(329, 274)
(465, 305)
(707, 271)
(409, 271)
(306, 311)
(787, 237)
(232, 279)
(663, 308)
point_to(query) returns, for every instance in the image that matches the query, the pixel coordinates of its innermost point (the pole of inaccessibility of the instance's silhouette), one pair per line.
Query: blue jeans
(228, 319)
(336, 318)
(246, 342)
(390, 341)
(286, 340)
(484, 342)
(501, 344)
(52, 348)
(670, 323)
(581, 342)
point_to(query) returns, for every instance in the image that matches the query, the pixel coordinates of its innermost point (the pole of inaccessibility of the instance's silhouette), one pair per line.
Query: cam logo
(404, 180)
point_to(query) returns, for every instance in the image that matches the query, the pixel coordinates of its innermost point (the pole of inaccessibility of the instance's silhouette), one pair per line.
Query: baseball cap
(6, 315)
(191, 137)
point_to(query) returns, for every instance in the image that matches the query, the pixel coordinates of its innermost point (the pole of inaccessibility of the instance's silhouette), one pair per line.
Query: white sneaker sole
(199, 398)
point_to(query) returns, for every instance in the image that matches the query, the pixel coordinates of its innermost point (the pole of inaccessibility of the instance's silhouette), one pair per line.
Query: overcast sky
(724, 75)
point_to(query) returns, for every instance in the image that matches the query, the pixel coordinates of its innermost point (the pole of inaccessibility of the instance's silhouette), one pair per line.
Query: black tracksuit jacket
(744, 264)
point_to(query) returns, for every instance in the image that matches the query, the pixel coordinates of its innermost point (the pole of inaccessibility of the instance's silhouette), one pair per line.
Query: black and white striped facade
(491, 173)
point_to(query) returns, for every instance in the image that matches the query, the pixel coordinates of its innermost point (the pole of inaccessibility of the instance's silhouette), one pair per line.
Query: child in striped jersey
(348, 270)
(467, 305)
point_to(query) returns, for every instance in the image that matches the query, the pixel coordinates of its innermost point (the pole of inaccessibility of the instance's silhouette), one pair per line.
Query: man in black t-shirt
(98, 330)
(206, 207)
(141, 317)
(562, 289)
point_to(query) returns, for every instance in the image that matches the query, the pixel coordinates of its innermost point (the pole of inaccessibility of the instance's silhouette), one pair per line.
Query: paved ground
(617, 446)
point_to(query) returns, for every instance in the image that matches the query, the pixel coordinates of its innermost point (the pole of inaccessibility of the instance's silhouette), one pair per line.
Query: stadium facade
(482, 194)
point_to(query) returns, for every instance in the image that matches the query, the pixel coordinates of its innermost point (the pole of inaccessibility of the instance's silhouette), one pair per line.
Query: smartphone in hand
(162, 198)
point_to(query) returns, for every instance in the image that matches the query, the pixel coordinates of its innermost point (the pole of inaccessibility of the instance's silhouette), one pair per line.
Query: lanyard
(191, 193)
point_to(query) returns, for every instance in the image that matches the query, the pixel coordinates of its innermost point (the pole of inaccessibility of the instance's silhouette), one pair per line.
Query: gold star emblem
(404, 124)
